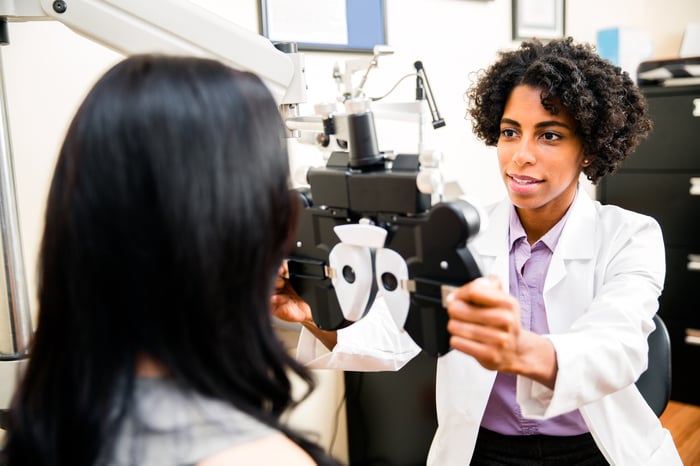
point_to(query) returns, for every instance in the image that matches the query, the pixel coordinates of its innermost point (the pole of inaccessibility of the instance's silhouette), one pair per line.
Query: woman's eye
(509, 133)
(551, 136)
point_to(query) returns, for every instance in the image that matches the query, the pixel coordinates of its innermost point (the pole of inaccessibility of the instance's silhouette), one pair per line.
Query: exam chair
(655, 382)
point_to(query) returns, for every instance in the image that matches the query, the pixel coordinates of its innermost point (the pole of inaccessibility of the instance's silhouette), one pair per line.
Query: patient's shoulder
(273, 449)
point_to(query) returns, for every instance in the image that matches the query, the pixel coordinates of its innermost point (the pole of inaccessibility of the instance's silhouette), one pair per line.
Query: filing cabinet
(662, 179)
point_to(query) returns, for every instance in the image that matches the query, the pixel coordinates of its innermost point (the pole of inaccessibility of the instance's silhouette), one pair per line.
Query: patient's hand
(287, 304)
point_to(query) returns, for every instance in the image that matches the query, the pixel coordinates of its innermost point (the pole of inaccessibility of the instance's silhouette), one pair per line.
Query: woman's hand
(287, 304)
(485, 323)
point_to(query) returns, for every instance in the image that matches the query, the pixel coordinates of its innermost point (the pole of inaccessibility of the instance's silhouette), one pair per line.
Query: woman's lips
(522, 184)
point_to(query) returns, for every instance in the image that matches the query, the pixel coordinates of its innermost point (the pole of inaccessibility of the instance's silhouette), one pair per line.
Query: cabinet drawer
(673, 143)
(680, 297)
(672, 199)
(680, 310)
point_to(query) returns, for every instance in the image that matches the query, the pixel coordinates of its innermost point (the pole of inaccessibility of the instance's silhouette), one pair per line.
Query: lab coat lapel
(492, 244)
(576, 244)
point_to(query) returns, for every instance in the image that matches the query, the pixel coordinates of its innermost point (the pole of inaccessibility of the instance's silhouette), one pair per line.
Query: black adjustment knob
(59, 6)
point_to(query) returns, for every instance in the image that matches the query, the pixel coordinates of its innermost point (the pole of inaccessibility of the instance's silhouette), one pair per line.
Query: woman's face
(540, 156)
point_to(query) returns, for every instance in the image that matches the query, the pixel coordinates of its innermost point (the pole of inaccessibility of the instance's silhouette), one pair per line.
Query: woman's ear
(586, 161)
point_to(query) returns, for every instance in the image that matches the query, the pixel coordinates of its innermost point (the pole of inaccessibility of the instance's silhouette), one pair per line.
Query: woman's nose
(524, 152)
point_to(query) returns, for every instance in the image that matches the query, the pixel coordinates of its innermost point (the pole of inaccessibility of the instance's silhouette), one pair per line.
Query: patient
(167, 219)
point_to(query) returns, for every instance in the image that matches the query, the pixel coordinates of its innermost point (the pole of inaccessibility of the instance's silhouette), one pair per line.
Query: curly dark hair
(610, 111)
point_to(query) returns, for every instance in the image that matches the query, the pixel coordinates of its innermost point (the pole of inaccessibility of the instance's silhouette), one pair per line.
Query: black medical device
(423, 253)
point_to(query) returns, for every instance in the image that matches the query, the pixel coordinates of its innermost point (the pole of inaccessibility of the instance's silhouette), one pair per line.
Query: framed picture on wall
(333, 25)
(543, 19)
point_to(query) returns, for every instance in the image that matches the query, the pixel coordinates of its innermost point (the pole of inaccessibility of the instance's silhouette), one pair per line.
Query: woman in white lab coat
(546, 350)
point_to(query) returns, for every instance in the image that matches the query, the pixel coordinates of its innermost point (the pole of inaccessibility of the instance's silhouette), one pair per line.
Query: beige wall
(48, 69)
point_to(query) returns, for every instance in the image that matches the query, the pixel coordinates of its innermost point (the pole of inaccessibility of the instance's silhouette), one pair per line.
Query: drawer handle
(692, 336)
(696, 107)
(695, 186)
(694, 262)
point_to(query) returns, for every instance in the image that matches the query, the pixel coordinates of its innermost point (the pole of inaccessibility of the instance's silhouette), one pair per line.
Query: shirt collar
(550, 239)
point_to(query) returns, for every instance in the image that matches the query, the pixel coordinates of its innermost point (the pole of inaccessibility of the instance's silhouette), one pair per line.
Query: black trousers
(494, 449)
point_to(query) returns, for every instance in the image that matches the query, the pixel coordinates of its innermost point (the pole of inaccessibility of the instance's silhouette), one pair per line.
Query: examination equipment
(366, 227)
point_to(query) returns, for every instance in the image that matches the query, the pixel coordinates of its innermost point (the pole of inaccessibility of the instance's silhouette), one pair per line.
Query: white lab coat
(601, 293)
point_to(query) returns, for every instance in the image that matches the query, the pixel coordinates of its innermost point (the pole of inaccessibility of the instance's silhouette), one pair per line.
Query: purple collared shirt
(528, 269)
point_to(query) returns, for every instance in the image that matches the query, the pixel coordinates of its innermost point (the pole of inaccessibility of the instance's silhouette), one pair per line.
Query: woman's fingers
(484, 322)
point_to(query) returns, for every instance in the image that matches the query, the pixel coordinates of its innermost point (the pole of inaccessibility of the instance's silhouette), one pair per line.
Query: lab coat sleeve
(374, 343)
(605, 349)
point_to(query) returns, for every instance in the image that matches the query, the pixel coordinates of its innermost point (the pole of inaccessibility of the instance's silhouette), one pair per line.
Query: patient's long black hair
(168, 216)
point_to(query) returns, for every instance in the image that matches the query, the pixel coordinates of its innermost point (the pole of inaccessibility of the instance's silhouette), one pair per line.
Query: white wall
(48, 69)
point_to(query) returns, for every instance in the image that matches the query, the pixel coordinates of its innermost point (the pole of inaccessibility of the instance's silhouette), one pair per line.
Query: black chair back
(655, 382)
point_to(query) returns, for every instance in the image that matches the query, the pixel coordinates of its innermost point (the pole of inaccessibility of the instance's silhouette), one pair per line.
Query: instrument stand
(15, 315)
